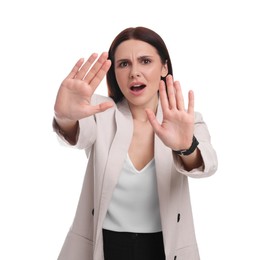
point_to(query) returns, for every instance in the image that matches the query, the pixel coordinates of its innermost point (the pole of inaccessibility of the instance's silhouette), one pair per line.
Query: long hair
(136, 33)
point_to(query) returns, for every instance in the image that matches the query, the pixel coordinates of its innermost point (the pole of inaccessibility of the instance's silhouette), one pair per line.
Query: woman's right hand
(73, 101)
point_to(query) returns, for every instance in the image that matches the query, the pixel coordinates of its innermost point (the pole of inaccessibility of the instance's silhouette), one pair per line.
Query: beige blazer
(106, 138)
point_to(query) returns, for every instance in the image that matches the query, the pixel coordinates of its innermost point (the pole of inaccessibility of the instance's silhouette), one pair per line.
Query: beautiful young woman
(142, 143)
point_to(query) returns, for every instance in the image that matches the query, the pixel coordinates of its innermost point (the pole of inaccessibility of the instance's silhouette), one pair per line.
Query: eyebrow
(139, 58)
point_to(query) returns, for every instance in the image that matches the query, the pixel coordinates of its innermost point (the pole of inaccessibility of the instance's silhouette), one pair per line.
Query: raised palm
(73, 101)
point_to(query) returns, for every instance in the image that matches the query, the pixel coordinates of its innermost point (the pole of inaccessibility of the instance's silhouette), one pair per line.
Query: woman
(142, 144)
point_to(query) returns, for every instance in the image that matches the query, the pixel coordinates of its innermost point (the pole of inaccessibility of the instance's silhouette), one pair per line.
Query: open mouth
(137, 87)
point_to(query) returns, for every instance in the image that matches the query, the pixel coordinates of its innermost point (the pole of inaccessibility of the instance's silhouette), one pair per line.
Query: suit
(106, 138)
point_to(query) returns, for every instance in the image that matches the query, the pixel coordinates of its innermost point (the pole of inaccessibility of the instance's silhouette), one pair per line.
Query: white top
(134, 206)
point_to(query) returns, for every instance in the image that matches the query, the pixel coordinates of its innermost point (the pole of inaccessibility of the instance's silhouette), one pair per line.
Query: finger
(171, 92)
(153, 121)
(84, 69)
(163, 96)
(75, 69)
(100, 74)
(179, 96)
(190, 102)
(96, 67)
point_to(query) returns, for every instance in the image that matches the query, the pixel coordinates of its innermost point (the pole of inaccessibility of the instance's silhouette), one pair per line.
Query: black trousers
(133, 246)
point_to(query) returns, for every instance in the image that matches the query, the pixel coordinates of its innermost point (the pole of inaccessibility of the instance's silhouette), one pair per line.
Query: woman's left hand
(177, 127)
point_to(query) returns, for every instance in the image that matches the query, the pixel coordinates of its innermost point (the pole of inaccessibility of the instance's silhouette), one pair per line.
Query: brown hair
(137, 33)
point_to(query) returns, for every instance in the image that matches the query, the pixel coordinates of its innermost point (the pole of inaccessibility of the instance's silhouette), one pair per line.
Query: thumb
(91, 110)
(153, 121)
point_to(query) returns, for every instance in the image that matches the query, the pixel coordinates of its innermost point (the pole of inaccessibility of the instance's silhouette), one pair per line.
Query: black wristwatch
(190, 150)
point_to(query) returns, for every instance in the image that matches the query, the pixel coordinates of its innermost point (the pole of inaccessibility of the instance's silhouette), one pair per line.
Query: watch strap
(190, 150)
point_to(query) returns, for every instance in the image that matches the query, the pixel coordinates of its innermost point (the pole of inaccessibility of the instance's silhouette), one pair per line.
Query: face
(138, 70)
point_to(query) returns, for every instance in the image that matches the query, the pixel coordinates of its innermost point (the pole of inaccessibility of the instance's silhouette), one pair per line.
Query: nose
(134, 72)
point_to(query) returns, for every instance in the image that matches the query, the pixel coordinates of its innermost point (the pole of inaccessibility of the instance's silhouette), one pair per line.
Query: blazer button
(93, 212)
(178, 217)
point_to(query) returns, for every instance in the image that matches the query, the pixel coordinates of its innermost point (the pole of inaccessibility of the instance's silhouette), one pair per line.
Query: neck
(139, 116)
(139, 113)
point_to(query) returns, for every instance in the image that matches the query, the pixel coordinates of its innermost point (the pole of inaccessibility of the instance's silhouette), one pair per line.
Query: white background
(226, 51)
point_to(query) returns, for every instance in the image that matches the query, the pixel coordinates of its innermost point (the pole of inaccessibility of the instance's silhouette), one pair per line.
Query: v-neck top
(134, 206)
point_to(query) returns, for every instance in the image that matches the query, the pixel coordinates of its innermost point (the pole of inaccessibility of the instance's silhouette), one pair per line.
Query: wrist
(64, 123)
(190, 150)
(67, 129)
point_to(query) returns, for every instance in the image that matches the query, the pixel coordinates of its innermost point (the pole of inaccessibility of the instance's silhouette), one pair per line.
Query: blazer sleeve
(209, 156)
(87, 129)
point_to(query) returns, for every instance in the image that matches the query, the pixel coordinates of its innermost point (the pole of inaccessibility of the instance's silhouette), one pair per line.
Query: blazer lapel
(163, 170)
(116, 156)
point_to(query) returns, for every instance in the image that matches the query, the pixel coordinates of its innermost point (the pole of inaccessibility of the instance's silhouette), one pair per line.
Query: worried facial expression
(138, 70)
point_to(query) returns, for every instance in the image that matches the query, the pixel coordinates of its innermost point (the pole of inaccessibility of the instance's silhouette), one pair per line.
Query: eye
(123, 64)
(146, 61)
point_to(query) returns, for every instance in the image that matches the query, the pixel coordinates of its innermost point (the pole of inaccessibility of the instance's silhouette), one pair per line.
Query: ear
(164, 70)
